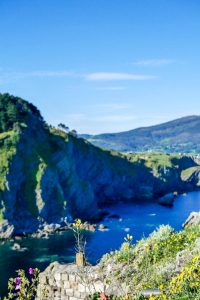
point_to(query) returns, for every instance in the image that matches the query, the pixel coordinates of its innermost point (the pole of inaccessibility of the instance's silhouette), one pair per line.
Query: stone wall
(69, 282)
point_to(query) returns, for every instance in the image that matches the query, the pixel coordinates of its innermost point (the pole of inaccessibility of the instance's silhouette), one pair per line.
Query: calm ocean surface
(137, 219)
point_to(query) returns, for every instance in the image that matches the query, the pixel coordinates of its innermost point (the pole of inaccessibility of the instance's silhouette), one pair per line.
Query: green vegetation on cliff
(8, 141)
(14, 110)
(166, 260)
(160, 163)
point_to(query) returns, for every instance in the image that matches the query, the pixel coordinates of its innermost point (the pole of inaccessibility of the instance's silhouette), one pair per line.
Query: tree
(15, 110)
(63, 127)
(74, 133)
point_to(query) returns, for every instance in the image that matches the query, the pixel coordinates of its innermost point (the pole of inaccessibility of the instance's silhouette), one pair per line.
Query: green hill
(181, 135)
(47, 175)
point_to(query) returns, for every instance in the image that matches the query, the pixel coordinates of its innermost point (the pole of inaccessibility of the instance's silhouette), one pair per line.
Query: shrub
(23, 287)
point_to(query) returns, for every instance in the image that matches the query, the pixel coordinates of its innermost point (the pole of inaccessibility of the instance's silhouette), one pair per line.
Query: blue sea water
(137, 219)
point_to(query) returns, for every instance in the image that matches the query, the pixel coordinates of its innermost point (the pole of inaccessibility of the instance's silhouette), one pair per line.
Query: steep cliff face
(51, 175)
(47, 175)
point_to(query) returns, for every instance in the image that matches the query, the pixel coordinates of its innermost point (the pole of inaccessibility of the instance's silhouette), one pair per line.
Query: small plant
(23, 287)
(128, 239)
(77, 228)
(80, 243)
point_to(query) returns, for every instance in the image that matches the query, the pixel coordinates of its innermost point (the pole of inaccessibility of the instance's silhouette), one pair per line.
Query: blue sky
(102, 65)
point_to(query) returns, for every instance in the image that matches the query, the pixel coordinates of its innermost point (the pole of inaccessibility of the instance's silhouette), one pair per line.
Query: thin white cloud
(109, 76)
(154, 62)
(47, 74)
(9, 76)
(6, 77)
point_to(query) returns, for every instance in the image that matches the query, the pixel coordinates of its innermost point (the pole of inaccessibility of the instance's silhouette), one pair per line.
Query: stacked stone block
(68, 282)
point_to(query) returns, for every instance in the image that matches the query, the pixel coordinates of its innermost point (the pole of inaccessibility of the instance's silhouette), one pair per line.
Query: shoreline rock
(16, 246)
(114, 216)
(6, 230)
(168, 199)
(193, 219)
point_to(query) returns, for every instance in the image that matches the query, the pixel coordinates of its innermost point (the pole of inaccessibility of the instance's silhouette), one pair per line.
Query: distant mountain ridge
(180, 135)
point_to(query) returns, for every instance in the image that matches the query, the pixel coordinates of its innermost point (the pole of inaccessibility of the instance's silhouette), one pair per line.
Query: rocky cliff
(47, 174)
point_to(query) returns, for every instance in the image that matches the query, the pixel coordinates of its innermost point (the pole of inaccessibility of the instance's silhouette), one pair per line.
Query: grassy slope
(8, 141)
(159, 163)
(167, 260)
